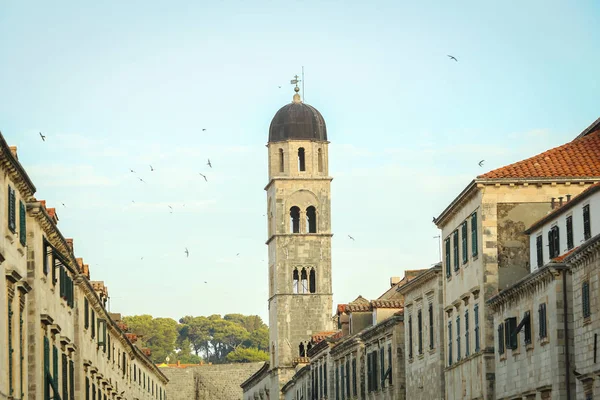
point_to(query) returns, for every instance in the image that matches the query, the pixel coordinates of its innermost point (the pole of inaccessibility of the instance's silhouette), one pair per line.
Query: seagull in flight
(208, 163)
(452, 58)
(279, 87)
(132, 171)
(151, 169)
(187, 253)
(203, 129)
(481, 163)
(204, 176)
(351, 237)
(237, 254)
(43, 137)
(63, 204)
(141, 180)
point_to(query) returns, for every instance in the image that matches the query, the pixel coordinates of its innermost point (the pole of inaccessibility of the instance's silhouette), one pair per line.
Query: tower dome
(299, 121)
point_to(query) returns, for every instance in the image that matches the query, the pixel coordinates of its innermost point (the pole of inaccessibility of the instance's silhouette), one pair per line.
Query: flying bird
(43, 137)
(279, 87)
(151, 169)
(187, 253)
(237, 254)
(132, 170)
(141, 180)
(170, 207)
(208, 163)
(63, 204)
(142, 258)
(481, 163)
(203, 129)
(204, 176)
(351, 237)
(205, 282)
(452, 58)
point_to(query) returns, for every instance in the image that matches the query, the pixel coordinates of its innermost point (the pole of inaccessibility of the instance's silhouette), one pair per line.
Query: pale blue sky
(117, 85)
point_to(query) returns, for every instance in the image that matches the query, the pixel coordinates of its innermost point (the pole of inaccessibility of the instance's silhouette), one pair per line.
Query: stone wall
(208, 382)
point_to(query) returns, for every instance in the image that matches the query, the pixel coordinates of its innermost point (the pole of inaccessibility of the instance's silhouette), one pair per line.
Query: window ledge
(587, 320)
(544, 341)
(431, 351)
(410, 360)
(516, 352)
(503, 357)
(475, 257)
(529, 347)
(421, 356)
(10, 236)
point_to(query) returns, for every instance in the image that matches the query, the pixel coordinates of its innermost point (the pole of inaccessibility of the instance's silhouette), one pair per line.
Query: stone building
(60, 341)
(299, 238)
(485, 249)
(423, 333)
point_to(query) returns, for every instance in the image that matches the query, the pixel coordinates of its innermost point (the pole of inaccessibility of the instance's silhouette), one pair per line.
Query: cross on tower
(295, 80)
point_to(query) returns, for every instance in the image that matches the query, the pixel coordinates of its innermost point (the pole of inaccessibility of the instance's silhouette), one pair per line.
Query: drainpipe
(566, 328)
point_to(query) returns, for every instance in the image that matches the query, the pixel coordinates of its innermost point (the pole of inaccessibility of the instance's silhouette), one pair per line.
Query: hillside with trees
(233, 338)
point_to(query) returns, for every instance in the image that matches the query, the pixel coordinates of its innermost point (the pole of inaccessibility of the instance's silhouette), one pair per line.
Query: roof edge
(592, 128)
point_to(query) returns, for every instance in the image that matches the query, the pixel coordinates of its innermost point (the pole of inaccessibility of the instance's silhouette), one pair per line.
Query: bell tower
(299, 234)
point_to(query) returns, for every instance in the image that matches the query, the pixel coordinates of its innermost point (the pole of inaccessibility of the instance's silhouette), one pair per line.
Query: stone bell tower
(299, 234)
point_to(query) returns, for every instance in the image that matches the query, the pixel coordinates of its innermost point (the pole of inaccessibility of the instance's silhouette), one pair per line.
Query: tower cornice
(298, 235)
(299, 294)
(298, 178)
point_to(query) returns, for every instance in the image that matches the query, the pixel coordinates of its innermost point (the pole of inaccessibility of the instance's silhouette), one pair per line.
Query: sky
(120, 85)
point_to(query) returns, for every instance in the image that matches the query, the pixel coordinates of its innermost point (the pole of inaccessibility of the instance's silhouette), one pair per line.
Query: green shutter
(46, 368)
(62, 282)
(463, 233)
(86, 313)
(22, 224)
(71, 380)
(65, 377)
(55, 372)
(10, 347)
(447, 256)
(474, 244)
(11, 210)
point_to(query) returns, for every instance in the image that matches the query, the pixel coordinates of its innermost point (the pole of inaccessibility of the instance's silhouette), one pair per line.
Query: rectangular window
(382, 366)
(354, 391)
(93, 391)
(474, 234)
(347, 377)
(65, 374)
(55, 372)
(587, 226)
(431, 338)
(389, 371)
(449, 343)
(12, 223)
(466, 333)
(93, 324)
(501, 339)
(337, 384)
(71, 380)
(86, 313)
(455, 245)
(458, 353)
(476, 330)
(447, 256)
(539, 246)
(463, 233)
(420, 331)
(542, 320)
(585, 299)
(510, 331)
(553, 242)
(46, 368)
(410, 337)
(22, 224)
(527, 327)
(325, 378)
(342, 377)
(375, 383)
(87, 388)
(570, 241)
(45, 255)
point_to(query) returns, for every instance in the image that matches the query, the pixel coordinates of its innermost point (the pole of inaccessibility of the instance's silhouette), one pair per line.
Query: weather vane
(295, 81)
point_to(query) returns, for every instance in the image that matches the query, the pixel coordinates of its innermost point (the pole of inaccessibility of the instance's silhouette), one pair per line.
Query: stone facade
(424, 324)
(63, 344)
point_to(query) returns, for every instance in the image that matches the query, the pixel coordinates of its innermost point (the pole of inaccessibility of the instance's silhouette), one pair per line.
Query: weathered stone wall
(208, 382)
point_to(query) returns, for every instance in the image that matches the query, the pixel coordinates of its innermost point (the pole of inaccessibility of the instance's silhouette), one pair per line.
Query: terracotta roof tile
(386, 304)
(318, 337)
(358, 307)
(577, 159)
(563, 256)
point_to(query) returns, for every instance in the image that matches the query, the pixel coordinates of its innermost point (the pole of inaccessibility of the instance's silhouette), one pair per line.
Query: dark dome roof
(297, 121)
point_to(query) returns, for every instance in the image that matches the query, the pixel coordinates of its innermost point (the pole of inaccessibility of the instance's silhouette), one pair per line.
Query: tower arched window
(295, 281)
(281, 162)
(301, 351)
(320, 159)
(303, 281)
(295, 219)
(312, 281)
(309, 346)
(301, 161)
(311, 219)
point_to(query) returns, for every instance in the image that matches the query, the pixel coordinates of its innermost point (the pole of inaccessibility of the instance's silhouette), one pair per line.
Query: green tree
(158, 334)
(259, 339)
(243, 355)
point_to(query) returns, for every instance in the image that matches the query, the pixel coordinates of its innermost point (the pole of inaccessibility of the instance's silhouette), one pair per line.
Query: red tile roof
(318, 337)
(563, 256)
(577, 159)
(387, 304)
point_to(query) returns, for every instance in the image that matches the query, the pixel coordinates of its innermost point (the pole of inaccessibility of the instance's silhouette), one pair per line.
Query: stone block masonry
(207, 382)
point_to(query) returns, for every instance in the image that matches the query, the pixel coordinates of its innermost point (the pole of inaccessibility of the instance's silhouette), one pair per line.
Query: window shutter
(550, 244)
(448, 267)
(449, 342)
(390, 369)
(510, 331)
(46, 368)
(474, 244)
(55, 366)
(420, 331)
(62, 282)
(476, 317)
(539, 251)
(556, 242)
(585, 296)
(11, 210)
(71, 380)
(542, 320)
(87, 388)
(382, 366)
(410, 337)
(348, 377)
(455, 240)
(93, 391)
(86, 313)
(337, 384)
(527, 327)
(570, 243)
(501, 339)
(587, 229)
(65, 380)
(466, 333)
(431, 338)
(458, 352)
(463, 232)
(22, 224)
(354, 391)
(375, 385)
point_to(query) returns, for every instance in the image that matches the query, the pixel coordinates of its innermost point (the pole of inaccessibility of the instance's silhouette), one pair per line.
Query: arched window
(309, 346)
(320, 159)
(303, 281)
(301, 351)
(281, 164)
(295, 281)
(311, 220)
(312, 281)
(301, 163)
(295, 219)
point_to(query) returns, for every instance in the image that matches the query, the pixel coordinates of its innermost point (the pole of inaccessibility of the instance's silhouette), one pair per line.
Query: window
(342, 378)
(320, 159)
(410, 337)
(474, 234)
(295, 281)
(12, 223)
(524, 325)
(467, 333)
(553, 242)
(303, 281)
(86, 313)
(93, 323)
(354, 391)
(431, 339)
(570, 241)
(585, 299)
(501, 339)
(448, 267)
(22, 224)
(87, 388)
(587, 229)
(458, 353)
(420, 331)
(311, 220)
(449, 343)
(539, 251)
(455, 243)
(71, 380)
(312, 281)
(301, 163)
(465, 255)
(542, 320)
(510, 331)
(325, 378)
(476, 330)
(337, 384)
(347, 377)
(295, 219)
(382, 370)
(301, 351)
(389, 371)
(281, 162)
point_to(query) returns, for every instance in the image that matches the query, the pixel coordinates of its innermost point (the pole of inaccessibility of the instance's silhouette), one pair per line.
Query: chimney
(13, 151)
(560, 201)
(70, 244)
(552, 203)
(394, 280)
(568, 198)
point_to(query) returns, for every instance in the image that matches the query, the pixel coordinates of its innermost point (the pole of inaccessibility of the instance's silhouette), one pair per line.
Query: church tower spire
(299, 234)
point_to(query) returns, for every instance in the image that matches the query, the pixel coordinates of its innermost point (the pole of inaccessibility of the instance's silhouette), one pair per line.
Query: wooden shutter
(55, 372)
(354, 392)
(448, 267)
(431, 338)
(87, 388)
(22, 224)
(587, 229)
(375, 384)
(11, 210)
(458, 353)
(348, 377)
(476, 319)
(455, 243)
(463, 232)
(466, 333)
(539, 250)
(71, 380)
(390, 369)
(46, 368)
(585, 297)
(510, 331)
(65, 377)
(86, 313)
(542, 319)
(420, 331)
(501, 339)
(410, 337)
(474, 244)
(449, 342)
(382, 366)
(570, 242)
